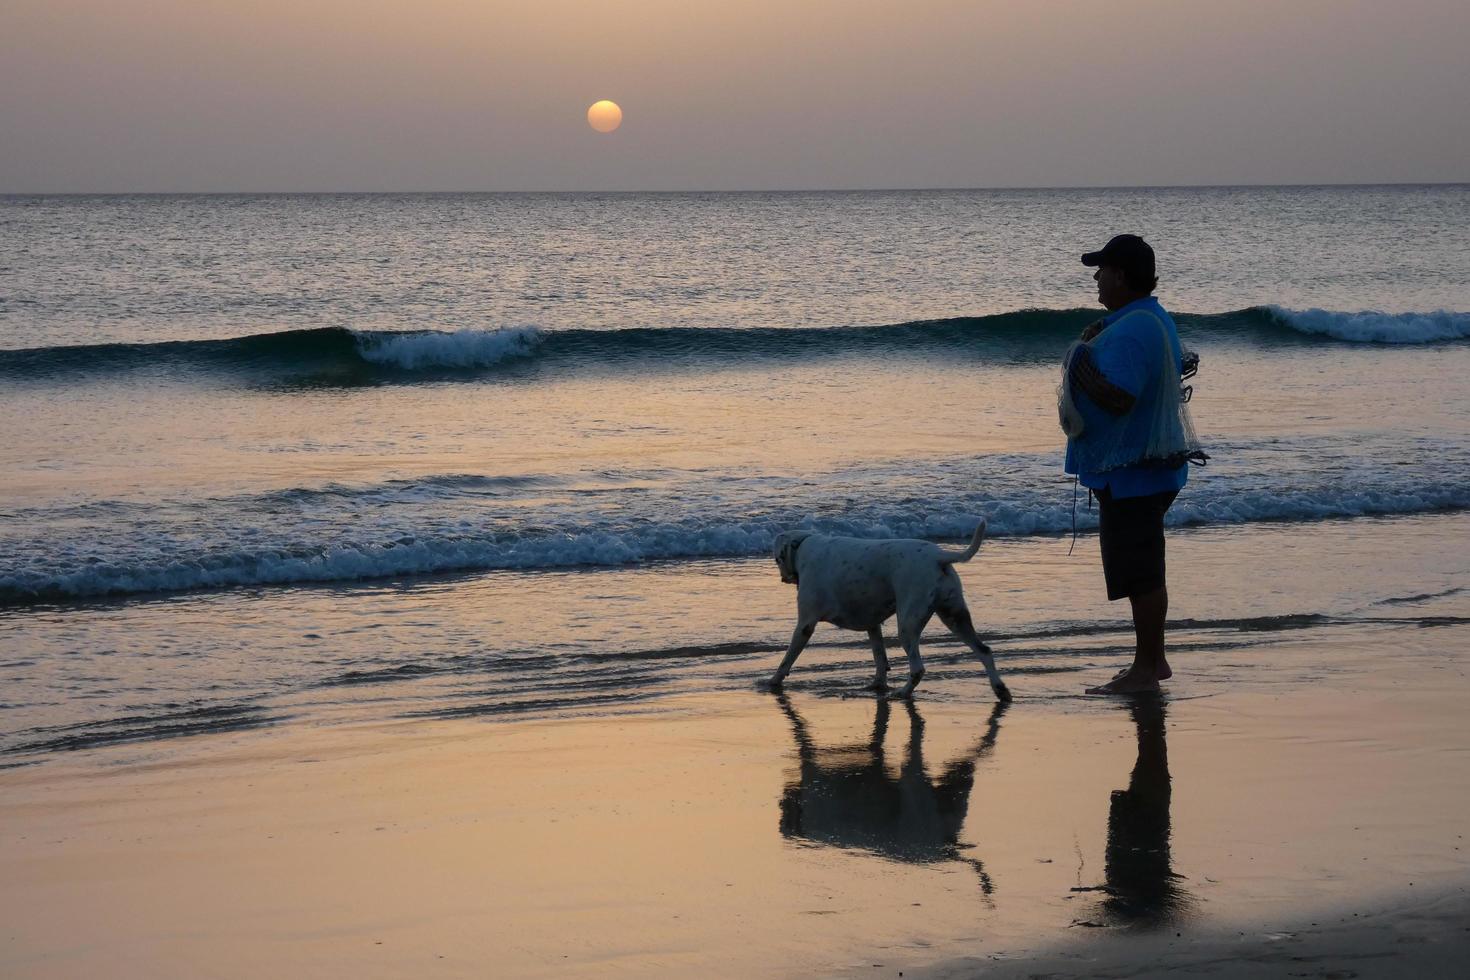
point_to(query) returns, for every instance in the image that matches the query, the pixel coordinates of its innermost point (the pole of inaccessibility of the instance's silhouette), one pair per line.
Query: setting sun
(604, 116)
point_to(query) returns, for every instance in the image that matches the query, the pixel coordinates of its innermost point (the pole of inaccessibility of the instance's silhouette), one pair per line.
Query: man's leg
(1121, 532)
(1149, 612)
(1149, 666)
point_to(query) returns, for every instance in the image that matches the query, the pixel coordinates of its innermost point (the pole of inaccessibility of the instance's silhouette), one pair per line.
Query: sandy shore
(739, 834)
(1404, 936)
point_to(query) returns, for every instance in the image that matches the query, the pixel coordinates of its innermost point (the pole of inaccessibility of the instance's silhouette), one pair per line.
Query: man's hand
(1091, 330)
(1109, 397)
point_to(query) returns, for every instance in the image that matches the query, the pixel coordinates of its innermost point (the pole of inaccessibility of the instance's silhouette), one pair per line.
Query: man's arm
(1085, 375)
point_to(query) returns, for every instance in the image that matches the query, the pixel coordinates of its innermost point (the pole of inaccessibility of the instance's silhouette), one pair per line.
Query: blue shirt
(1127, 353)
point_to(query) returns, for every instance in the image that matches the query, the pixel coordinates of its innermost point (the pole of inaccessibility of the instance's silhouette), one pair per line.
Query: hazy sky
(187, 95)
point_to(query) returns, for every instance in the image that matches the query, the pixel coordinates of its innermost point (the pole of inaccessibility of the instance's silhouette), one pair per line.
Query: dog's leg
(798, 641)
(908, 635)
(880, 660)
(958, 621)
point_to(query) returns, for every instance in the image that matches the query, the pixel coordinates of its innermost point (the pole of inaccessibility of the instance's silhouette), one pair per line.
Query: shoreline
(569, 641)
(738, 834)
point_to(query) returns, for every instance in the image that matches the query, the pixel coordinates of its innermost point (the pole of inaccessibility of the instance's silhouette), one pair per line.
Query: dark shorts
(1132, 537)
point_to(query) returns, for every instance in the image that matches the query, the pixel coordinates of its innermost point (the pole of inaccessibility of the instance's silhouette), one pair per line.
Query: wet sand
(741, 834)
(1404, 936)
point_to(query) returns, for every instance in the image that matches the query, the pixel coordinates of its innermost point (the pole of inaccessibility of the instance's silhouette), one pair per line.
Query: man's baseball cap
(1124, 252)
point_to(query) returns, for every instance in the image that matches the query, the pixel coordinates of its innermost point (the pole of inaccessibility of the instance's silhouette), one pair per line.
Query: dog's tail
(952, 557)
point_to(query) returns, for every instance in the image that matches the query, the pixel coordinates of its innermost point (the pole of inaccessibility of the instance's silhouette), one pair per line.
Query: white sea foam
(135, 566)
(1373, 327)
(457, 349)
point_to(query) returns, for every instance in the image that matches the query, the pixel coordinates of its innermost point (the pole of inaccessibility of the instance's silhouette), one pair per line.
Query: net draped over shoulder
(1157, 431)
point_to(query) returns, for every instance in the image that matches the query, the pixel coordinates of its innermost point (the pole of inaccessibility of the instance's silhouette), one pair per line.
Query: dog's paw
(877, 684)
(771, 685)
(1002, 692)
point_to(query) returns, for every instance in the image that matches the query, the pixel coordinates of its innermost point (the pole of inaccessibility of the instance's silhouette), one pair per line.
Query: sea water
(371, 456)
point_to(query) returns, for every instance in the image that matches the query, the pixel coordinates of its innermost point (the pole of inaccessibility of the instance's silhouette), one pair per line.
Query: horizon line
(742, 190)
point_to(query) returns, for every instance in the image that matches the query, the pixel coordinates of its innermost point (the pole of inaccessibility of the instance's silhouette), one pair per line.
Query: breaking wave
(1377, 328)
(464, 349)
(142, 554)
(332, 355)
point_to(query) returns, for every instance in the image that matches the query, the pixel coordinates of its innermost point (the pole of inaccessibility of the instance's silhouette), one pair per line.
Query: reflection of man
(1140, 881)
(845, 796)
(1122, 415)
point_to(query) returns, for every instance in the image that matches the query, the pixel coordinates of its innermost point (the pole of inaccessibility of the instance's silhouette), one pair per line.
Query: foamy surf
(411, 528)
(1370, 326)
(457, 349)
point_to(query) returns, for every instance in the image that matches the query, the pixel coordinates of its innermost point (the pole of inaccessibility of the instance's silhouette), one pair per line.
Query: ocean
(327, 459)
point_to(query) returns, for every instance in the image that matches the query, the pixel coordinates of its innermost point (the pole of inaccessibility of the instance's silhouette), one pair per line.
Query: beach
(386, 588)
(1295, 778)
(667, 844)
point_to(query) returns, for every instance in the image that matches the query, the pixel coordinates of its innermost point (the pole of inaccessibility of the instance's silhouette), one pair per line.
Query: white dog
(857, 584)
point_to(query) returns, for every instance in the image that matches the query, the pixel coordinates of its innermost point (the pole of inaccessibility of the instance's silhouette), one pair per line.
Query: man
(1118, 382)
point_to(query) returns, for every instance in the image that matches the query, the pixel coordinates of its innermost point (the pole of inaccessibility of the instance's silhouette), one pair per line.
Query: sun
(604, 116)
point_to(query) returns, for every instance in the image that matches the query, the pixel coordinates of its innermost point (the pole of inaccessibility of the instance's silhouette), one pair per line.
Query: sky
(491, 95)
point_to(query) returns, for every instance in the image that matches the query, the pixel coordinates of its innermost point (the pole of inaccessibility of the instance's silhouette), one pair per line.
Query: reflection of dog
(846, 796)
(857, 584)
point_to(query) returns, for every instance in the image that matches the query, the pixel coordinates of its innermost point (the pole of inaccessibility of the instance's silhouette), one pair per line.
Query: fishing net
(1159, 436)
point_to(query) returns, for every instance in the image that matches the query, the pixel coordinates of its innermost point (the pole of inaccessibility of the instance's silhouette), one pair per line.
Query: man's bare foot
(1127, 683)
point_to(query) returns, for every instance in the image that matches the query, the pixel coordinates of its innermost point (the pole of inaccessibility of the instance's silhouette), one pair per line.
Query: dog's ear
(781, 552)
(786, 543)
